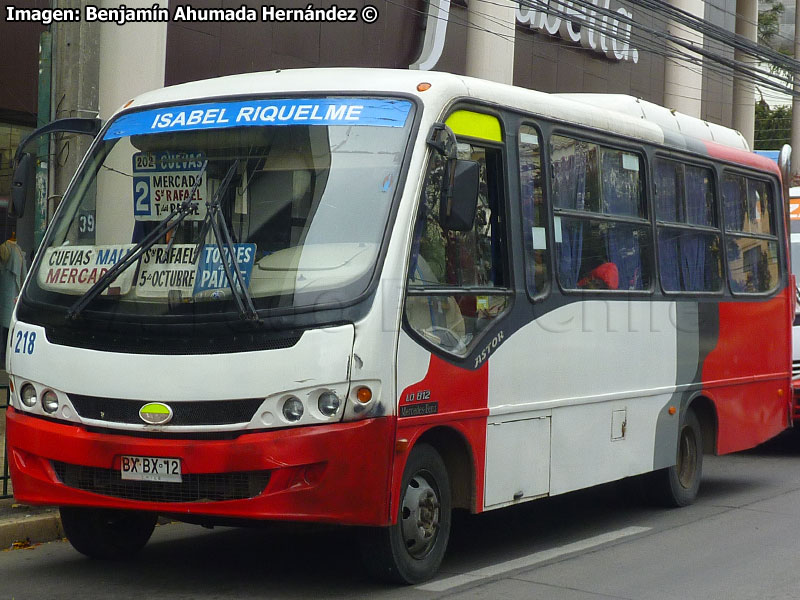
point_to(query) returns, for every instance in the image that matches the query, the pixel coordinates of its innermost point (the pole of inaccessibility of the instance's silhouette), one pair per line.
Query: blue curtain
(668, 206)
(569, 181)
(693, 261)
(734, 198)
(698, 191)
(620, 195)
(693, 246)
(668, 260)
(623, 250)
(569, 189)
(570, 251)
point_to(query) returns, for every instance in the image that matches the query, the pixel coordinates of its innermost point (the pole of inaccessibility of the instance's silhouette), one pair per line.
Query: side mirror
(457, 209)
(442, 139)
(22, 184)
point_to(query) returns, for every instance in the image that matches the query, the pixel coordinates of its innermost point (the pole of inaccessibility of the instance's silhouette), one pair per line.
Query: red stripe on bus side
(462, 398)
(753, 339)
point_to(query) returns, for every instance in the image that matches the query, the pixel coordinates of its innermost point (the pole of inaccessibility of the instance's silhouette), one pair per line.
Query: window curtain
(733, 195)
(569, 189)
(620, 192)
(693, 245)
(570, 251)
(668, 208)
(668, 260)
(623, 250)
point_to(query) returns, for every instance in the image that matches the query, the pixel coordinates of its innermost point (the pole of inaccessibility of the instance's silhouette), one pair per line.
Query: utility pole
(744, 95)
(796, 102)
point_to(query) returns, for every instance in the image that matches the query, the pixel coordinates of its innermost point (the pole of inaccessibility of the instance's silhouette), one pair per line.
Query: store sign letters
(600, 29)
(595, 30)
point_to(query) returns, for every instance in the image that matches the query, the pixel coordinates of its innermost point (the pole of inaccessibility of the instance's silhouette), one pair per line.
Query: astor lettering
(488, 349)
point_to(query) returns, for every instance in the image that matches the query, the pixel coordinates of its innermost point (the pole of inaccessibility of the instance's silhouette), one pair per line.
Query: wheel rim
(419, 515)
(687, 458)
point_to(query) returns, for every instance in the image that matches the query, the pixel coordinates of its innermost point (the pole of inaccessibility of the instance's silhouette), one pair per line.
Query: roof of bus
(444, 88)
(623, 115)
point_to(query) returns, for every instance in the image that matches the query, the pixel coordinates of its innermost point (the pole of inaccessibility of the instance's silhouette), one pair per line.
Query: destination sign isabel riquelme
(377, 112)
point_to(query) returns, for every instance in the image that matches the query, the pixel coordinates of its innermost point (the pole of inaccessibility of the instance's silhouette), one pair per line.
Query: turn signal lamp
(364, 395)
(424, 86)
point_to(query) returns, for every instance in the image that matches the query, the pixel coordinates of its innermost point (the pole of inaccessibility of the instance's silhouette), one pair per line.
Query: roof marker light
(421, 87)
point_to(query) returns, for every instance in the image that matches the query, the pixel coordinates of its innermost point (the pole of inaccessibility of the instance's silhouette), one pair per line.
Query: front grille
(212, 412)
(195, 487)
(795, 369)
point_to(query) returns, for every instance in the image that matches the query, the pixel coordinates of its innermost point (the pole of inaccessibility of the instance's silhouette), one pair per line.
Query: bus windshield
(300, 189)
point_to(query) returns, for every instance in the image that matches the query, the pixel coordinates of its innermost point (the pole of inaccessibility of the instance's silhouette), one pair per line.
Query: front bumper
(338, 473)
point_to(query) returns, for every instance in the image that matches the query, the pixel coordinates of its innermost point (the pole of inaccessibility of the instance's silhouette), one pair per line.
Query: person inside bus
(602, 277)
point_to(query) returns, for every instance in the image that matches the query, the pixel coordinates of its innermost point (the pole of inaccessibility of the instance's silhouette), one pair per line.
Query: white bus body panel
(321, 358)
(602, 406)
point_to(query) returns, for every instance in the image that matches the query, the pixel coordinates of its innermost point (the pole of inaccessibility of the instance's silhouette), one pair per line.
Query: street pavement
(739, 541)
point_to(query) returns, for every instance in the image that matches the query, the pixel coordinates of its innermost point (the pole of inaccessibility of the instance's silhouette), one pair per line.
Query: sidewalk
(20, 524)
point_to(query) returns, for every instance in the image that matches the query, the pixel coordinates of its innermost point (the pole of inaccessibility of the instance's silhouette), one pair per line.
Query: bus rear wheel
(679, 484)
(107, 534)
(411, 550)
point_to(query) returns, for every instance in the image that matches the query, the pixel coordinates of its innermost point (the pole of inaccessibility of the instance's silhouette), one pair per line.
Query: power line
(686, 49)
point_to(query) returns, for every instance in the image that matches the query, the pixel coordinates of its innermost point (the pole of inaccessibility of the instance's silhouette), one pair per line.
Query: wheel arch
(459, 460)
(706, 412)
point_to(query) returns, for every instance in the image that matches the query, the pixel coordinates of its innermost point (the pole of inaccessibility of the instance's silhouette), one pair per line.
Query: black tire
(678, 485)
(411, 550)
(107, 534)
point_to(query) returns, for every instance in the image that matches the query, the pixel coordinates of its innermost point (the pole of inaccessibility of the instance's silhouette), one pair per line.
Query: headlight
(28, 395)
(50, 402)
(328, 403)
(292, 409)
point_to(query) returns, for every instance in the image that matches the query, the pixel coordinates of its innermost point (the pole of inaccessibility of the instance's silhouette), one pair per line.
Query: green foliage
(768, 22)
(773, 127)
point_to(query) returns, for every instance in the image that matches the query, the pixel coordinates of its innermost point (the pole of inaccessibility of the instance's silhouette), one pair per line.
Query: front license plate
(148, 468)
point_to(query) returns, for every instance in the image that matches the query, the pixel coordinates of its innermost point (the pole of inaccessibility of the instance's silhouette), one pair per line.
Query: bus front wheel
(679, 484)
(412, 549)
(107, 534)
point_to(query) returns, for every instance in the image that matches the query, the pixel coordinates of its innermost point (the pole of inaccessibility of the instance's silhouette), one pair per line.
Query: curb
(35, 528)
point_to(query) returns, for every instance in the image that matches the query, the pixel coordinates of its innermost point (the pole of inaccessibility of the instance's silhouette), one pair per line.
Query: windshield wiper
(216, 220)
(169, 223)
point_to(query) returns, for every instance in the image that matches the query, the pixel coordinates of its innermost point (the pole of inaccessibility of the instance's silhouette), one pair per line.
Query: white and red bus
(369, 297)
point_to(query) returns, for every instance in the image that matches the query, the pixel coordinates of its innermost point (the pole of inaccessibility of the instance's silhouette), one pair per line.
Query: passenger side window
(689, 257)
(534, 211)
(601, 230)
(457, 282)
(752, 243)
